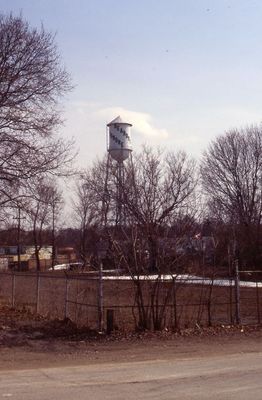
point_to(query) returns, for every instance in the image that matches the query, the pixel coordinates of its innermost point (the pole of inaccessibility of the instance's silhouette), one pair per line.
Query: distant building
(27, 257)
(66, 255)
(9, 257)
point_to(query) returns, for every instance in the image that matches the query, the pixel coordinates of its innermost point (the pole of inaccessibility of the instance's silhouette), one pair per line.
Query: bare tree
(158, 192)
(42, 206)
(157, 202)
(87, 209)
(31, 84)
(232, 179)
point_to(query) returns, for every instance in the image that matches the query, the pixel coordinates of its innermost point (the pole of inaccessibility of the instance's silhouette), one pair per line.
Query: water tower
(119, 139)
(119, 148)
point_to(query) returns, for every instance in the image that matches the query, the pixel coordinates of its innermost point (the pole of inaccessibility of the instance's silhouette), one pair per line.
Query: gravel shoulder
(29, 342)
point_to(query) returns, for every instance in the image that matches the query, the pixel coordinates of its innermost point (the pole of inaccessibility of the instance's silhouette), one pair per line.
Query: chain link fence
(82, 298)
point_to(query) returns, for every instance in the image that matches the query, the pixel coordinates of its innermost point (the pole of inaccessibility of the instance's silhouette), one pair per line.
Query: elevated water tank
(119, 139)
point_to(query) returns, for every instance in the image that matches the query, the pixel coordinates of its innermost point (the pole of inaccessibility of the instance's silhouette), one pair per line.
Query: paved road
(221, 377)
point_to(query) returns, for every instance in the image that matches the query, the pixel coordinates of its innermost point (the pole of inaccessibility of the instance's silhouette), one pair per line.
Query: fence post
(175, 303)
(258, 304)
(209, 301)
(13, 289)
(109, 321)
(100, 299)
(66, 295)
(37, 291)
(231, 299)
(237, 293)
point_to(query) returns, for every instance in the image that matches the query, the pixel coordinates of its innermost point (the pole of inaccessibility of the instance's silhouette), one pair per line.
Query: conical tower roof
(118, 120)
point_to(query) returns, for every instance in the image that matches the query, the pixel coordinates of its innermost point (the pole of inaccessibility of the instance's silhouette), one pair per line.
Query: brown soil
(31, 341)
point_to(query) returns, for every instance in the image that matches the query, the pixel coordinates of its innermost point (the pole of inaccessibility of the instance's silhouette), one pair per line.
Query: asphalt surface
(226, 377)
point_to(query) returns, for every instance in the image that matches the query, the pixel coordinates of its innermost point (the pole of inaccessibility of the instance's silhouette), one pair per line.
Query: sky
(181, 71)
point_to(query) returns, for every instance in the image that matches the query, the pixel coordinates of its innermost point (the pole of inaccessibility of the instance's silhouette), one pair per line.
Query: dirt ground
(30, 341)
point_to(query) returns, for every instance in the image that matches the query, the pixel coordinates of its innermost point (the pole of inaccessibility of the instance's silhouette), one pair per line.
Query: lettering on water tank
(126, 135)
(121, 130)
(116, 140)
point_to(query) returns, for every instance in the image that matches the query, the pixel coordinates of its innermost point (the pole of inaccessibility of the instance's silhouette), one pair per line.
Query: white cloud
(142, 122)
